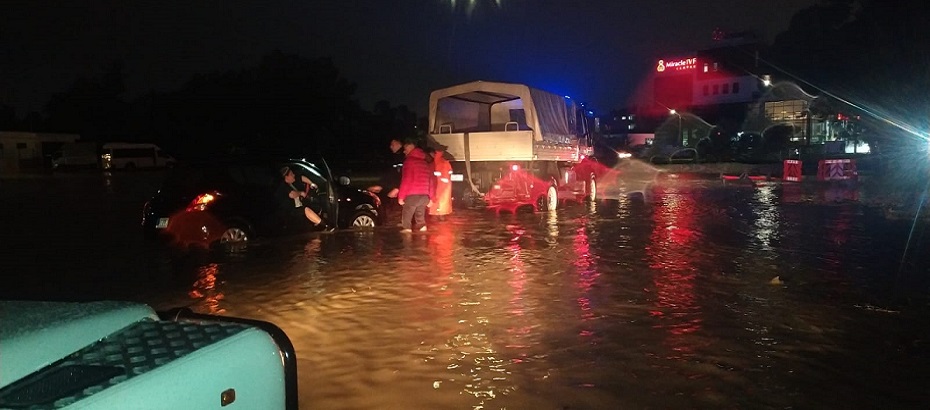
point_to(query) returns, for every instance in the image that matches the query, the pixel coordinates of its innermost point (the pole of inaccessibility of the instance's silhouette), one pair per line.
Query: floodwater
(693, 294)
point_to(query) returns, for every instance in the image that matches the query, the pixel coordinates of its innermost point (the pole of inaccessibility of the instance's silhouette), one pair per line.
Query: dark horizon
(597, 52)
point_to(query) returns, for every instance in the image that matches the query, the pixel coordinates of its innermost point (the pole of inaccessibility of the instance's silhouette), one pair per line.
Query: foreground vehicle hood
(108, 355)
(35, 334)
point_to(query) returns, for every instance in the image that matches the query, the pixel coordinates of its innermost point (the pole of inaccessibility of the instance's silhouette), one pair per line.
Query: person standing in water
(417, 188)
(442, 205)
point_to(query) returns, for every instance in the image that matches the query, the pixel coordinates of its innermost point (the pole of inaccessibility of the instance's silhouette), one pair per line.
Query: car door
(331, 191)
(320, 200)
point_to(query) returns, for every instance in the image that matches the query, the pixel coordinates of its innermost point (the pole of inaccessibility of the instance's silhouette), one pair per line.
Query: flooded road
(695, 295)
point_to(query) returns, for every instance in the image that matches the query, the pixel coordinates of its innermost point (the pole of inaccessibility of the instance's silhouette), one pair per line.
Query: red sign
(683, 64)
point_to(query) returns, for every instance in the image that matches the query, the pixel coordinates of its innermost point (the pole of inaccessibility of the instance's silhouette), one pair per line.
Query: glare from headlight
(623, 154)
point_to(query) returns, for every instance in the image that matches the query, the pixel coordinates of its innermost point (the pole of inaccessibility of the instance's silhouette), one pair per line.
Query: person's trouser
(391, 210)
(414, 207)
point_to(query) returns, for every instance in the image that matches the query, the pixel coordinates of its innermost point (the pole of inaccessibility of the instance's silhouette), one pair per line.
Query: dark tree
(285, 104)
(871, 56)
(92, 107)
(8, 118)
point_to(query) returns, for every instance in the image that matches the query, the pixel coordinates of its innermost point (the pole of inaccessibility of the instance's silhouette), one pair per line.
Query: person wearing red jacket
(417, 187)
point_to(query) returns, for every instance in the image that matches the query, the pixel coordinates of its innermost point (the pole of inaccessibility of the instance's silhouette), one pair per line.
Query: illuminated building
(728, 91)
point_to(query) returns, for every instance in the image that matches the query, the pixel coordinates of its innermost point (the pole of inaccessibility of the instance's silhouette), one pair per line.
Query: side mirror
(344, 181)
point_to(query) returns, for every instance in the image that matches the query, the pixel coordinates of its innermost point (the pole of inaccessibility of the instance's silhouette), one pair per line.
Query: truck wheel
(590, 188)
(550, 201)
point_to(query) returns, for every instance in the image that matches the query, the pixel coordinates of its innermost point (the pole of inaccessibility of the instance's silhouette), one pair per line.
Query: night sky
(598, 51)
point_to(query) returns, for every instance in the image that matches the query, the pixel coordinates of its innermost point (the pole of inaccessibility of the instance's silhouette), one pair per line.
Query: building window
(705, 69)
(726, 88)
(716, 89)
(715, 67)
(789, 110)
(735, 88)
(706, 90)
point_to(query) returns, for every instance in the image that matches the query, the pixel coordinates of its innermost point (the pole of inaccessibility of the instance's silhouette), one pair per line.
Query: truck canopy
(483, 106)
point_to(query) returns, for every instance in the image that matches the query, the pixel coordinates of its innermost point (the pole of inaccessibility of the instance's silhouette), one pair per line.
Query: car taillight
(202, 201)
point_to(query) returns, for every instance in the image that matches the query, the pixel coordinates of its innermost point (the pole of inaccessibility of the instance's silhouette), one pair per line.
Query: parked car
(230, 201)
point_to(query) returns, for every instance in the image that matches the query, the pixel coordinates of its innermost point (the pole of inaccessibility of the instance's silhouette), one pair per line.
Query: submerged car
(230, 201)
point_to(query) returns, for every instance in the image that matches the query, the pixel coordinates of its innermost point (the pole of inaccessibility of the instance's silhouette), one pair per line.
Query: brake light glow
(201, 202)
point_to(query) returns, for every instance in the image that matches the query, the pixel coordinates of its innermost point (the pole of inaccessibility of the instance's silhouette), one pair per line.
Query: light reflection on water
(205, 291)
(672, 257)
(623, 304)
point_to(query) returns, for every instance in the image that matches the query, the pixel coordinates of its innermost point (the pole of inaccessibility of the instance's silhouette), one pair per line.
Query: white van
(123, 155)
(76, 155)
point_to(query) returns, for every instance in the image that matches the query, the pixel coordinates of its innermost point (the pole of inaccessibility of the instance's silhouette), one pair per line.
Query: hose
(471, 183)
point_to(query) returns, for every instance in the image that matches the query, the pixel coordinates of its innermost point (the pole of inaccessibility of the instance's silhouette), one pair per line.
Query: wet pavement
(684, 294)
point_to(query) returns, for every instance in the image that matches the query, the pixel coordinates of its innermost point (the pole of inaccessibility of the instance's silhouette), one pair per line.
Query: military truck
(513, 146)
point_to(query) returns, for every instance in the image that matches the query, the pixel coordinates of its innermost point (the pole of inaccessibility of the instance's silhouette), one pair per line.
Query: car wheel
(363, 219)
(234, 238)
(591, 188)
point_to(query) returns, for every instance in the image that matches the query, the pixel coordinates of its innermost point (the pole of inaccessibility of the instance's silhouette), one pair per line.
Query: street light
(679, 138)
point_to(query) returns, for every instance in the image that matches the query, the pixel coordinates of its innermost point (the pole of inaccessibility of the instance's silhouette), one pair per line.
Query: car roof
(242, 160)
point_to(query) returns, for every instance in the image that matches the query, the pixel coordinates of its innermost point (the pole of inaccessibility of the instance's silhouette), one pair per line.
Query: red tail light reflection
(202, 201)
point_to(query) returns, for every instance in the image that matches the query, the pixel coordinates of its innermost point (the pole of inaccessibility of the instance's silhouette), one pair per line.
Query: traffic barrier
(792, 170)
(837, 169)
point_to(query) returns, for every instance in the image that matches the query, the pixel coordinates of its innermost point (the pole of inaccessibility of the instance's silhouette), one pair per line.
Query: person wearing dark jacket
(390, 179)
(417, 188)
(389, 183)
